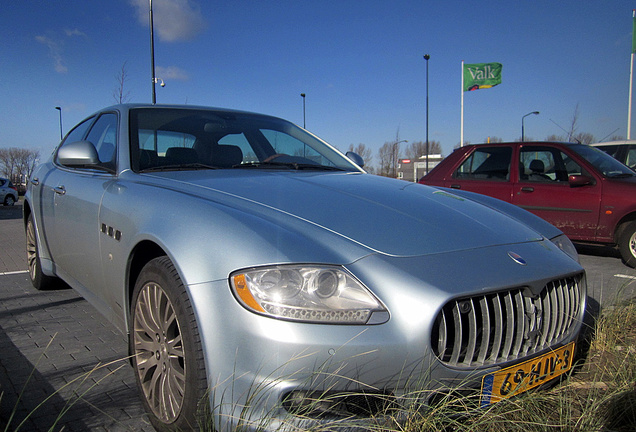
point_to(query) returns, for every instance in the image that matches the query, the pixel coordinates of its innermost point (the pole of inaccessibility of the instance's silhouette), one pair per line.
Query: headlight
(319, 294)
(564, 243)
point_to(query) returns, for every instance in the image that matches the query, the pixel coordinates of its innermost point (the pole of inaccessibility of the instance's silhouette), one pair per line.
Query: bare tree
(18, 164)
(389, 154)
(418, 149)
(575, 118)
(119, 94)
(584, 138)
(385, 155)
(555, 138)
(494, 139)
(365, 153)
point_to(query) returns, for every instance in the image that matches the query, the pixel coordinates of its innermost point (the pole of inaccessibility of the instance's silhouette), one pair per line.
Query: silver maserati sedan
(266, 281)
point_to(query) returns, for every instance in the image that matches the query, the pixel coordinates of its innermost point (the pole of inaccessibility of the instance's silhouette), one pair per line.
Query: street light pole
(152, 56)
(303, 96)
(523, 133)
(60, 110)
(426, 57)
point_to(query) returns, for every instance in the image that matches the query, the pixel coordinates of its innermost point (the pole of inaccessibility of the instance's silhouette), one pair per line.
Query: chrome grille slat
(457, 346)
(442, 339)
(508, 325)
(472, 333)
(498, 330)
(485, 335)
(520, 319)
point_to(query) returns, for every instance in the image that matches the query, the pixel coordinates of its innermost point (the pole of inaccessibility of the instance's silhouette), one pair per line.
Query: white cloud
(171, 73)
(55, 45)
(74, 32)
(55, 52)
(173, 20)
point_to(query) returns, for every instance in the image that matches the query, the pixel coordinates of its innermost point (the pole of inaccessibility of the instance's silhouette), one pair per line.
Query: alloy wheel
(160, 356)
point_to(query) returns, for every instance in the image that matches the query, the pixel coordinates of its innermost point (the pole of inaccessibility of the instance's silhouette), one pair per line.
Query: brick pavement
(62, 365)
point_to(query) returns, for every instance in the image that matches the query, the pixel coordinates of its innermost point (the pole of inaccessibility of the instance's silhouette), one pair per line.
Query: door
(487, 170)
(71, 205)
(543, 188)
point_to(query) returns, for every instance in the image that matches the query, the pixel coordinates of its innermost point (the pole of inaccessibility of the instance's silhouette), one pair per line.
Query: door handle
(35, 181)
(455, 186)
(60, 190)
(527, 189)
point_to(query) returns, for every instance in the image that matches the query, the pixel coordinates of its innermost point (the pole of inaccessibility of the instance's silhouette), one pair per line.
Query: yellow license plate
(524, 376)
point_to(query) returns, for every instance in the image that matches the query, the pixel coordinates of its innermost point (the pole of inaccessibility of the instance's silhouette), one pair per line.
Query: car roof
(131, 106)
(519, 143)
(617, 142)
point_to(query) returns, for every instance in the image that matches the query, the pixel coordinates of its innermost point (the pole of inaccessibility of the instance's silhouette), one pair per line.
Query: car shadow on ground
(10, 212)
(598, 250)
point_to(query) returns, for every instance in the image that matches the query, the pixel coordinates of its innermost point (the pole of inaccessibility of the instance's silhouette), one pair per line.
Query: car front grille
(505, 326)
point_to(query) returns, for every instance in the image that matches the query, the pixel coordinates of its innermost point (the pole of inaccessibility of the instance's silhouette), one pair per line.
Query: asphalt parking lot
(64, 367)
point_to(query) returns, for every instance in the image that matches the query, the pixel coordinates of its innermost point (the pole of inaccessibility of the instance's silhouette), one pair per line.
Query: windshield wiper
(291, 165)
(179, 167)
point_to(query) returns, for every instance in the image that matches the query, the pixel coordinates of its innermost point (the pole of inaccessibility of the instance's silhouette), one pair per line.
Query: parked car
(8, 192)
(254, 266)
(581, 190)
(623, 151)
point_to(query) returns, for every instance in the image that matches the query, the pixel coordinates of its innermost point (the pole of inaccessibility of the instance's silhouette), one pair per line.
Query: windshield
(604, 163)
(163, 139)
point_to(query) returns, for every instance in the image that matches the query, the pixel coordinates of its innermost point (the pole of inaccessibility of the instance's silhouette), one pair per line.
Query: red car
(580, 189)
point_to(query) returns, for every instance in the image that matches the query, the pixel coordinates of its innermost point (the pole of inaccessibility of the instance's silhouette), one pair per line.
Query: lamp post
(60, 110)
(523, 134)
(426, 57)
(152, 56)
(302, 95)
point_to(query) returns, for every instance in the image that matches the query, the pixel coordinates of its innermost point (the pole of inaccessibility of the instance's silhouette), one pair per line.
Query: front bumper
(264, 373)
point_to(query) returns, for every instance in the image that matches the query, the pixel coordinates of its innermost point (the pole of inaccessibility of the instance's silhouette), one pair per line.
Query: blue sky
(360, 64)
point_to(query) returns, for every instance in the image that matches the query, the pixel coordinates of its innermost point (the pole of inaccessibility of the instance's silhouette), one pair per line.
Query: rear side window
(487, 163)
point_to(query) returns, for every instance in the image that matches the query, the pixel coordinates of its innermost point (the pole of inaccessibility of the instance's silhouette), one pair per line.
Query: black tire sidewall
(161, 271)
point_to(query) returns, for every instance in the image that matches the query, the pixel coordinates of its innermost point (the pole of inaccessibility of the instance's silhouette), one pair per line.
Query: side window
(487, 163)
(538, 164)
(546, 164)
(103, 135)
(78, 133)
(571, 167)
(631, 157)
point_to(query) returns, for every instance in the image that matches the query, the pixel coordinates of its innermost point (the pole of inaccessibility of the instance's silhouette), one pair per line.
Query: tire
(9, 200)
(627, 244)
(166, 349)
(38, 279)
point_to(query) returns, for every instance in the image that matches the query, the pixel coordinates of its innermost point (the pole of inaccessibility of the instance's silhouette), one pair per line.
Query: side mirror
(355, 158)
(579, 180)
(78, 154)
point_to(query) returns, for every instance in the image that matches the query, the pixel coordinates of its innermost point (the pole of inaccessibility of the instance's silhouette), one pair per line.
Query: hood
(388, 216)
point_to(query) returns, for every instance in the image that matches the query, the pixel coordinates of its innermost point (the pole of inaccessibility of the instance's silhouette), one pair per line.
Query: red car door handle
(527, 189)
(456, 186)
